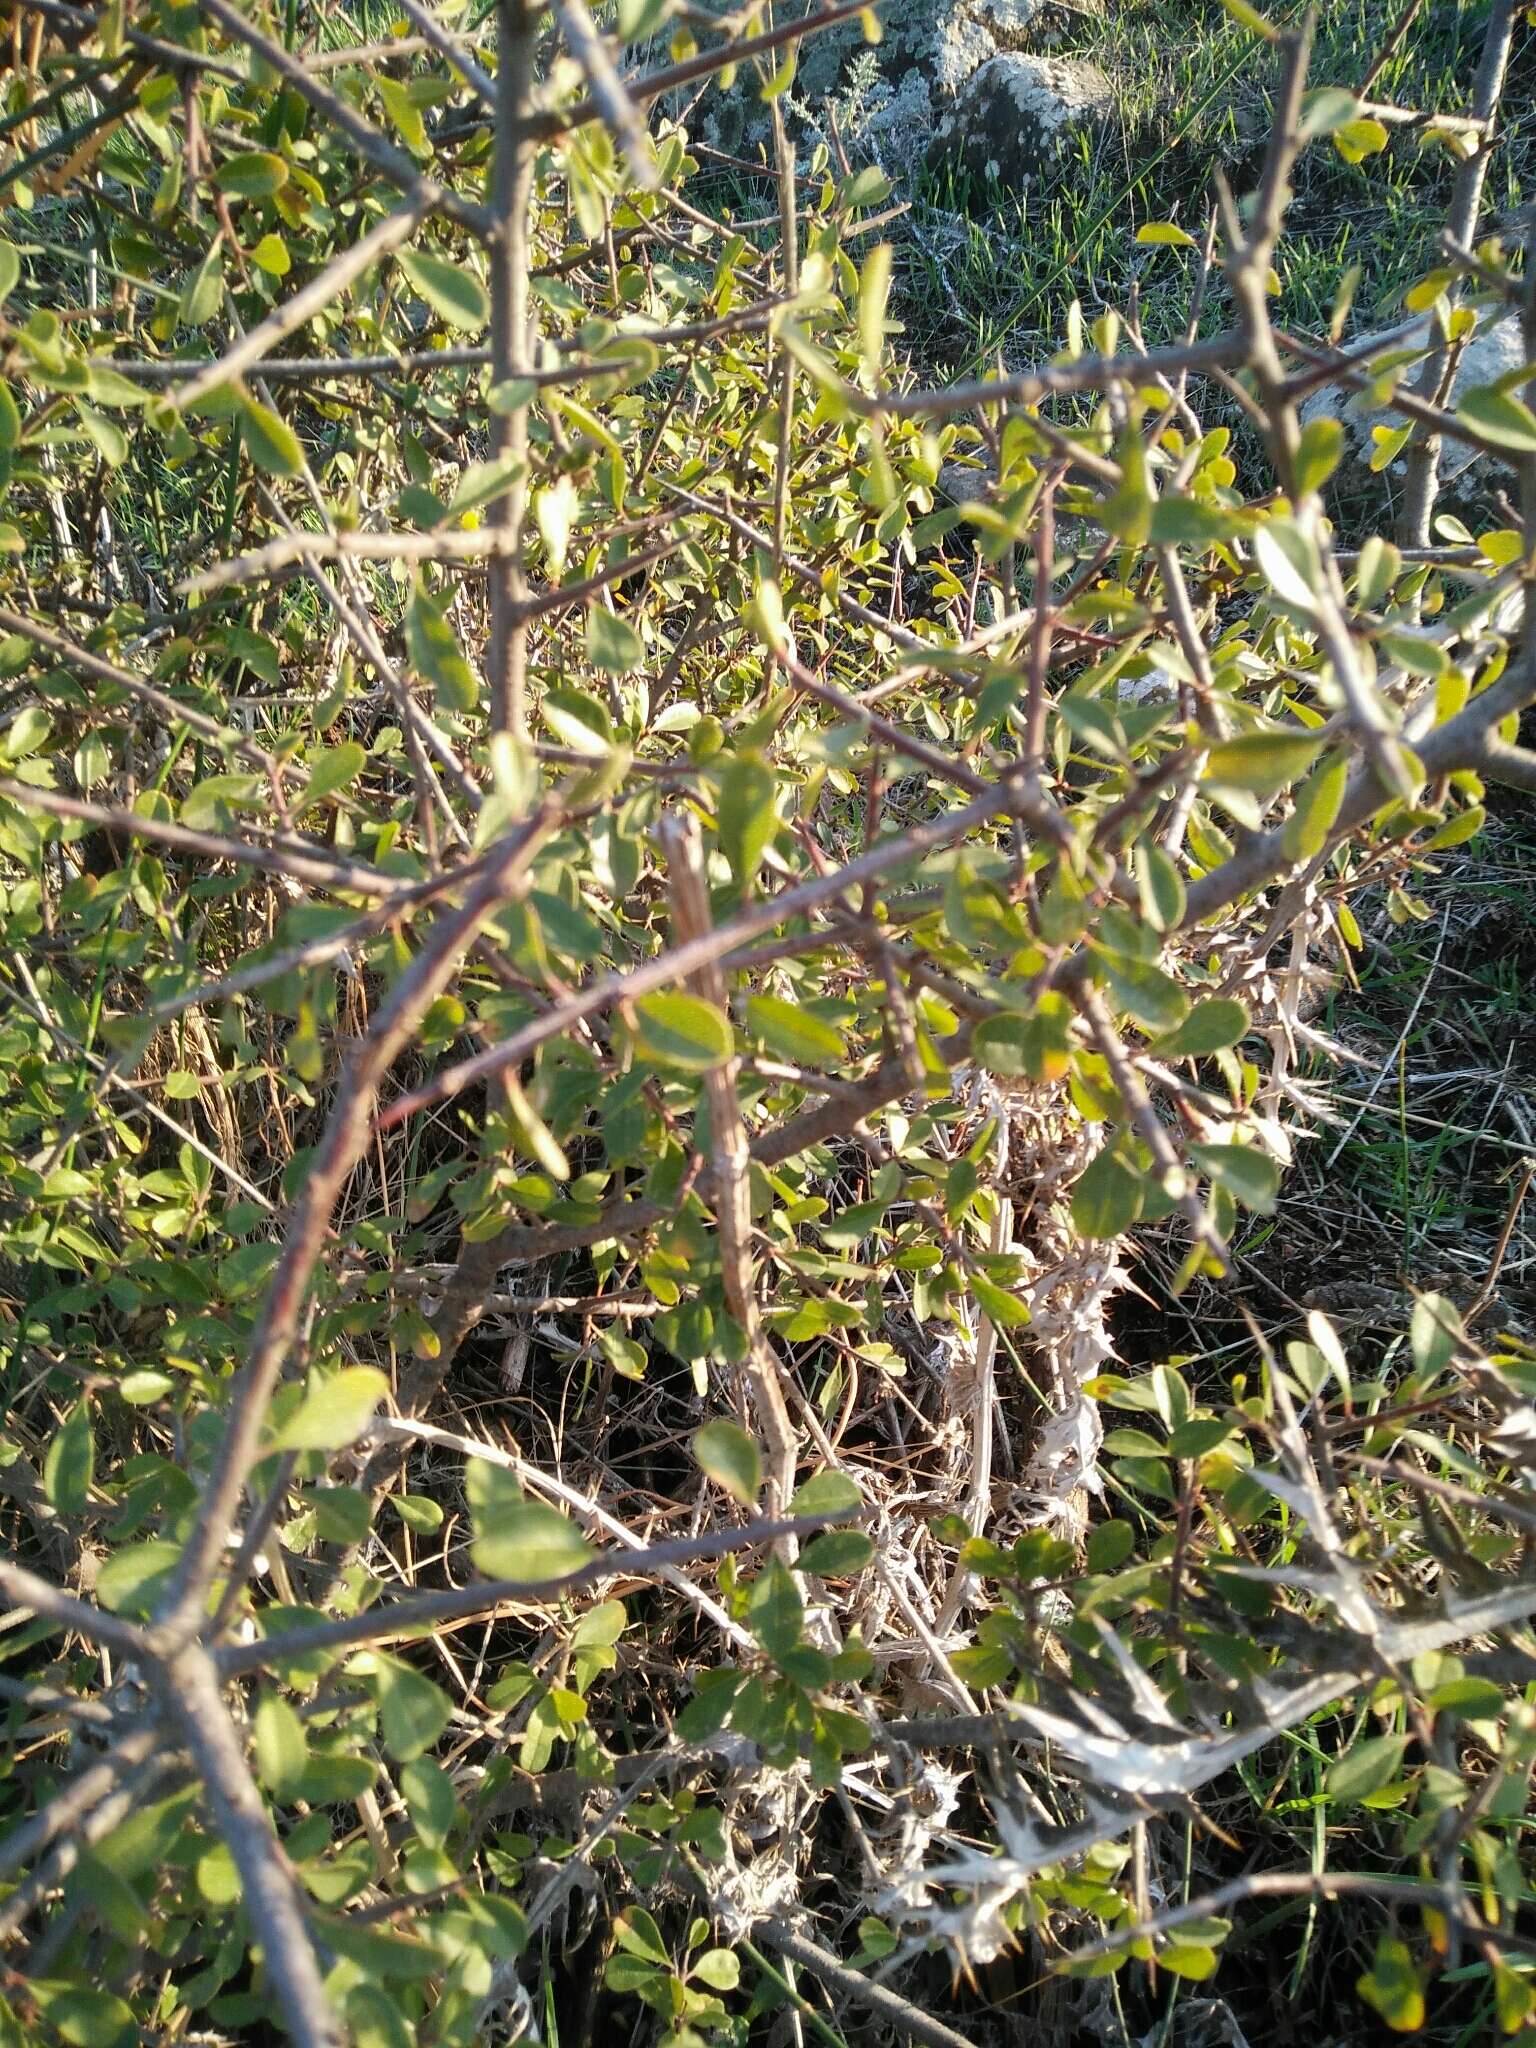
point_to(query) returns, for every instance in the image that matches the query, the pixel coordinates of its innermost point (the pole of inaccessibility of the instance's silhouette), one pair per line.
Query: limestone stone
(1465, 473)
(1014, 119)
(888, 100)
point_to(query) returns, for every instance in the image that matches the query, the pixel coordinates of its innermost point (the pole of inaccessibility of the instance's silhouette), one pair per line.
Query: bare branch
(1461, 224)
(188, 1685)
(608, 90)
(25, 1589)
(311, 862)
(417, 1613)
(730, 1161)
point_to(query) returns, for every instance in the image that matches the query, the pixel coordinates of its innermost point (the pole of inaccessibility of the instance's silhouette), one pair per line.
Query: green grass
(991, 271)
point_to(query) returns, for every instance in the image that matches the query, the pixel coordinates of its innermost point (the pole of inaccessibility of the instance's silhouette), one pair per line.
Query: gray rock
(1465, 473)
(1014, 120)
(888, 99)
(965, 483)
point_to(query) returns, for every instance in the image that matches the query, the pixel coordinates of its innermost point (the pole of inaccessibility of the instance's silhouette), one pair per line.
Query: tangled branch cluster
(597, 980)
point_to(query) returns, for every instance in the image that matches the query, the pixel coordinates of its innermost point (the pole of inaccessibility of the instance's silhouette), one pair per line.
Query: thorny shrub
(597, 978)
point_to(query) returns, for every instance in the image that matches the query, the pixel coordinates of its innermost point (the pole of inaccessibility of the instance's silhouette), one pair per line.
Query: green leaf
(638, 1935)
(1501, 545)
(84, 2016)
(1188, 1960)
(1378, 569)
(1194, 1439)
(108, 439)
(70, 1464)
(827, 1493)
(1387, 443)
(1145, 992)
(627, 1357)
(1499, 417)
(1319, 452)
(636, 18)
(1161, 888)
(1127, 511)
(454, 294)
(10, 270)
(374, 2019)
(1315, 808)
(271, 255)
(404, 114)
(613, 645)
(1248, 1175)
(746, 814)
(335, 1411)
(794, 1032)
(1003, 1310)
(1210, 1027)
(413, 1712)
(270, 442)
(1288, 559)
(282, 1748)
(332, 769)
(1473, 1699)
(783, 76)
(1109, 1545)
(429, 1794)
(1326, 108)
(775, 1611)
(1262, 762)
(1434, 1334)
(600, 1627)
(729, 1457)
(218, 1877)
(203, 293)
(418, 1512)
(434, 651)
(719, 1968)
(836, 1554)
(517, 1538)
(341, 1513)
(1037, 1048)
(133, 1580)
(577, 720)
(684, 1031)
(1107, 1198)
(874, 291)
(1250, 17)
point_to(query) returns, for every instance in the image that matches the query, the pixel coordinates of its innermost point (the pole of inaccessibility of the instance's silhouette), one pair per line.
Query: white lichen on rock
(889, 99)
(1016, 115)
(1494, 350)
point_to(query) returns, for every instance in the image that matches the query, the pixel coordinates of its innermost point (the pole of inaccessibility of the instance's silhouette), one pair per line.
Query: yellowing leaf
(253, 174)
(1262, 762)
(1165, 234)
(1356, 140)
